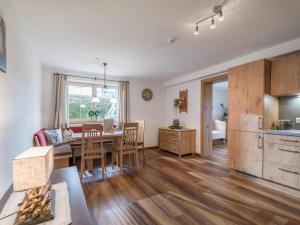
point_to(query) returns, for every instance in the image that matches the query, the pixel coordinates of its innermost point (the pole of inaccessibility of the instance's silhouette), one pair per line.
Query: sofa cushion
(62, 150)
(53, 136)
(41, 138)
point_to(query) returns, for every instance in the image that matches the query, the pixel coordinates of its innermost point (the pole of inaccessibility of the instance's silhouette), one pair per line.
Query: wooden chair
(127, 146)
(92, 146)
(141, 136)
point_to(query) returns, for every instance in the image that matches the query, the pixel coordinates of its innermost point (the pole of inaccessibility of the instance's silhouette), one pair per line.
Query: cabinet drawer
(168, 138)
(284, 154)
(282, 140)
(282, 174)
(168, 146)
(168, 132)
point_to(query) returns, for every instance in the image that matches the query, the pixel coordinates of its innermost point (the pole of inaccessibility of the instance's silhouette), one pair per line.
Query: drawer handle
(260, 142)
(293, 172)
(295, 141)
(285, 150)
(260, 123)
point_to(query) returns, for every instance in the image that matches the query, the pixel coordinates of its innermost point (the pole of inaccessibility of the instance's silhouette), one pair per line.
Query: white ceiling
(131, 35)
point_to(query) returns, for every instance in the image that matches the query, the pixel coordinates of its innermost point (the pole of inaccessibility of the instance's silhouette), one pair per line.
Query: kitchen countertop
(283, 132)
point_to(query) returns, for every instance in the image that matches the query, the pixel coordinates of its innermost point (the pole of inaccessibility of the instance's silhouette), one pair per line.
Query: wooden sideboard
(79, 211)
(178, 141)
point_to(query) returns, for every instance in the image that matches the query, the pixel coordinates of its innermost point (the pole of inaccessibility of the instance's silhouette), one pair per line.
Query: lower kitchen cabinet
(282, 160)
(245, 151)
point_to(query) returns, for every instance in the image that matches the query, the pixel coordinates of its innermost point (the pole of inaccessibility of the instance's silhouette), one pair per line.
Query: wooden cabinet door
(246, 152)
(285, 75)
(246, 85)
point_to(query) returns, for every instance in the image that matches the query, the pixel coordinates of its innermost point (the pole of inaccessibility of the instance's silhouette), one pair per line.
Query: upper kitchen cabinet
(247, 85)
(285, 75)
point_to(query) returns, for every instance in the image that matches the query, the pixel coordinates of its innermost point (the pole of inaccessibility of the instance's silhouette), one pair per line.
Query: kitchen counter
(295, 133)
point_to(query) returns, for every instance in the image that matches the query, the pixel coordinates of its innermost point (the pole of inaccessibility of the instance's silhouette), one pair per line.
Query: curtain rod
(92, 78)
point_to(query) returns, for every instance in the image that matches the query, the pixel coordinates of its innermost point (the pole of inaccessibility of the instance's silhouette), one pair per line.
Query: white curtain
(123, 99)
(60, 101)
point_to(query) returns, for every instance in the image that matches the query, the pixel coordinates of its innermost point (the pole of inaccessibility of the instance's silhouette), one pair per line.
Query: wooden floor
(190, 190)
(219, 152)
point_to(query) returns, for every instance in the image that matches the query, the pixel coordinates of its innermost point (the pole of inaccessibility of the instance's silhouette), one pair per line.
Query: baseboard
(5, 197)
(151, 147)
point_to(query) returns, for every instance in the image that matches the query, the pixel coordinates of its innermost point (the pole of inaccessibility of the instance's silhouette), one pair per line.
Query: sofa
(62, 152)
(219, 130)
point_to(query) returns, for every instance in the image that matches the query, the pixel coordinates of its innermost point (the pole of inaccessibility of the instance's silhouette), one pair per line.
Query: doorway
(219, 121)
(214, 105)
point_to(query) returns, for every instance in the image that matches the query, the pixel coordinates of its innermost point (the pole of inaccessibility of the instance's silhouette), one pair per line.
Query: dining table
(115, 136)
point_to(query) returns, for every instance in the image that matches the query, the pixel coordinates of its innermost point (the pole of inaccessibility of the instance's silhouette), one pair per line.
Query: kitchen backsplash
(289, 109)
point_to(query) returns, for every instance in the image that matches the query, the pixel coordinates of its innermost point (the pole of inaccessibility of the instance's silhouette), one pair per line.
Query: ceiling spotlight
(212, 25)
(196, 32)
(221, 16)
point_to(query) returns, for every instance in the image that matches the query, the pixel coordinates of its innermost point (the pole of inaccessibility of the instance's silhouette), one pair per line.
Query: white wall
(20, 91)
(191, 119)
(220, 96)
(152, 112)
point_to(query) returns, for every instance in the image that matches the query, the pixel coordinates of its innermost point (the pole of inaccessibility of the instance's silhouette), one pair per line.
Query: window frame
(94, 87)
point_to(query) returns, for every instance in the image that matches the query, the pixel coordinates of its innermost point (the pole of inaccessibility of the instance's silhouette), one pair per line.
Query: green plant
(91, 114)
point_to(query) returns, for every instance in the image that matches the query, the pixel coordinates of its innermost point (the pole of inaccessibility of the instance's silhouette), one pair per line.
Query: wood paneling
(189, 190)
(207, 118)
(271, 111)
(179, 141)
(246, 90)
(248, 152)
(285, 75)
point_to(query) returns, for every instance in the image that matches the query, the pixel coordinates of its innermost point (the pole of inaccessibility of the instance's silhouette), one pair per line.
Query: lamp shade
(32, 168)
(95, 100)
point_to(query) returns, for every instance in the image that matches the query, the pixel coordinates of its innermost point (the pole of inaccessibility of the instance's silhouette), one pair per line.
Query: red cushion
(41, 137)
(77, 129)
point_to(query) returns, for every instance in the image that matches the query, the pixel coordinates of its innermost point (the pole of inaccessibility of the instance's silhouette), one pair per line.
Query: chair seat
(140, 143)
(62, 150)
(125, 148)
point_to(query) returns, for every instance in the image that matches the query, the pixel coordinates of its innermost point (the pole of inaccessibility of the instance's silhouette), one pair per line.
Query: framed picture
(3, 65)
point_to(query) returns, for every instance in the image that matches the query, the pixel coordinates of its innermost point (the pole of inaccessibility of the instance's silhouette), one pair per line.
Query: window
(80, 97)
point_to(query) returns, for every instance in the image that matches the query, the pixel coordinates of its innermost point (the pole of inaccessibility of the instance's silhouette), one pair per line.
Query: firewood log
(21, 219)
(36, 213)
(23, 205)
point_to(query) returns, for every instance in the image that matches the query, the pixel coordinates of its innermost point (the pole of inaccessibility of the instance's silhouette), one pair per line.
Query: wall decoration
(147, 94)
(182, 101)
(3, 65)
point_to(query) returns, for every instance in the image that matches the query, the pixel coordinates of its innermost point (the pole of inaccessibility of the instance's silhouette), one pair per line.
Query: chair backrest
(141, 130)
(108, 124)
(130, 134)
(92, 140)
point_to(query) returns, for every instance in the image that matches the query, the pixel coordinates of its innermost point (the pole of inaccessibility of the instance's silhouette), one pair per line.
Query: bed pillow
(53, 136)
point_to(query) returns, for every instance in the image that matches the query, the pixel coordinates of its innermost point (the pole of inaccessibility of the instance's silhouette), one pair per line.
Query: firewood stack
(35, 204)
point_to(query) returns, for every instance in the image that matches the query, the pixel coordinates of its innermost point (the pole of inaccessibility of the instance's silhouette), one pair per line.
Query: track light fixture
(212, 25)
(217, 11)
(196, 32)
